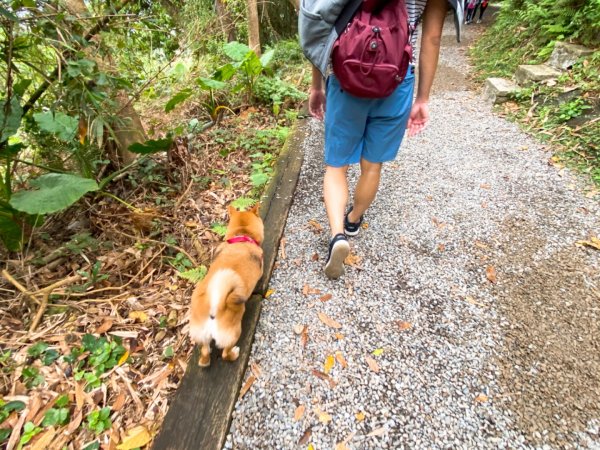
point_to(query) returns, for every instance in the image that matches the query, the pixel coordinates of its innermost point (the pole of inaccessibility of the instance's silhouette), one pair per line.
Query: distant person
(483, 6)
(471, 11)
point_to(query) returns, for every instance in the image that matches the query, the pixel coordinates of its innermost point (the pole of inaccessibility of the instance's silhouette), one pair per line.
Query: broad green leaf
(243, 203)
(4, 434)
(151, 146)
(236, 50)
(224, 73)
(219, 228)
(55, 192)
(194, 275)
(15, 405)
(266, 57)
(9, 123)
(181, 96)
(37, 349)
(259, 178)
(210, 83)
(10, 231)
(20, 87)
(64, 126)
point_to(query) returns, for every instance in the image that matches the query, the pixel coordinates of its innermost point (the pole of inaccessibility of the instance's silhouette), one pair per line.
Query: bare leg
(204, 360)
(231, 353)
(366, 189)
(335, 192)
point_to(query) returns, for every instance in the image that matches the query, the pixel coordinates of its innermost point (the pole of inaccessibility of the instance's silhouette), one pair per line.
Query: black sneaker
(352, 228)
(338, 250)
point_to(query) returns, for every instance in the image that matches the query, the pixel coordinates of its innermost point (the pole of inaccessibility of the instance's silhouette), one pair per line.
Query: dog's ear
(255, 209)
(231, 210)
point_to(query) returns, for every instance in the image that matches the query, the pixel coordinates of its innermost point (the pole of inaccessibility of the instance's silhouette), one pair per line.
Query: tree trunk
(253, 27)
(227, 24)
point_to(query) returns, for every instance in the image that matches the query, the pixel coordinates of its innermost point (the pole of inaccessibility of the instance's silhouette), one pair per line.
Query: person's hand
(419, 116)
(316, 103)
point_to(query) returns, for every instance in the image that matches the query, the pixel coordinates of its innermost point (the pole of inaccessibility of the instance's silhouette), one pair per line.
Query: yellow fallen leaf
(123, 358)
(310, 447)
(136, 437)
(340, 358)
(329, 362)
(378, 352)
(352, 260)
(299, 412)
(341, 446)
(360, 416)
(269, 293)
(481, 398)
(339, 336)
(372, 364)
(404, 325)
(594, 242)
(329, 321)
(322, 415)
(140, 316)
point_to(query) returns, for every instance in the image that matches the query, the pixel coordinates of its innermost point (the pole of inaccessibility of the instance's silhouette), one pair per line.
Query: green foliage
(92, 277)
(243, 203)
(61, 124)
(55, 416)
(32, 377)
(247, 64)
(29, 431)
(99, 421)
(56, 191)
(7, 408)
(40, 350)
(151, 146)
(194, 275)
(274, 91)
(219, 228)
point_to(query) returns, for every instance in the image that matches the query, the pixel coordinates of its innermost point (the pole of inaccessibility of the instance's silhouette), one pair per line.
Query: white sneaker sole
(335, 266)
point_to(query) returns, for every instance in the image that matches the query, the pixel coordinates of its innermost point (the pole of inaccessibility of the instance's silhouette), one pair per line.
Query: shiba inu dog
(219, 300)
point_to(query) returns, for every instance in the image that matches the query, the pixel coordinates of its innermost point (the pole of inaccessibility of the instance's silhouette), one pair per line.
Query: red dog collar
(237, 239)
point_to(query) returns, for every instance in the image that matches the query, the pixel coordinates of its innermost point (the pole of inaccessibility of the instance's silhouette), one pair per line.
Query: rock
(535, 72)
(565, 55)
(499, 90)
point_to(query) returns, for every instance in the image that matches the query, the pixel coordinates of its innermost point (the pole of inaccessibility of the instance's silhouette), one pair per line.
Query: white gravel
(451, 192)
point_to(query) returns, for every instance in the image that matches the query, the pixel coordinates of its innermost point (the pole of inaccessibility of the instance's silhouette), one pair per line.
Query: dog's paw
(204, 362)
(232, 354)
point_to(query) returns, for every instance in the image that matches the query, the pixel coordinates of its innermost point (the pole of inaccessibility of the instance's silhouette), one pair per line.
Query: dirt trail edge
(468, 316)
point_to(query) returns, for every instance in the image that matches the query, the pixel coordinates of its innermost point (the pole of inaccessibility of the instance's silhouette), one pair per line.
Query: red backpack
(371, 56)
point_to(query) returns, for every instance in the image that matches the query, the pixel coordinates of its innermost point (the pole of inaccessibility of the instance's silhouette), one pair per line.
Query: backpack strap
(344, 18)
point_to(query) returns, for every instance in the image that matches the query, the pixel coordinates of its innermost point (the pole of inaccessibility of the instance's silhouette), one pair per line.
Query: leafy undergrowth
(564, 112)
(111, 345)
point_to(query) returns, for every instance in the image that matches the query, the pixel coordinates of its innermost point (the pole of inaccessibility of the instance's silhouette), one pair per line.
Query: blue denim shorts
(366, 128)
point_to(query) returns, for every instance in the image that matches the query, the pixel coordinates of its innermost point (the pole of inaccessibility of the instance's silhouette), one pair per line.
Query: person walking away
(369, 131)
(483, 6)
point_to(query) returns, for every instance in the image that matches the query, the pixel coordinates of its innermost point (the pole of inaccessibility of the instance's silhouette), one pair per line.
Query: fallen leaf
(365, 225)
(119, 402)
(305, 436)
(43, 442)
(329, 321)
(481, 398)
(322, 415)
(298, 329)
(324, 377)
(75, 422)
(136, 437)
(247, 385)
(140, 316)
(339, 336)
(304, 338)
(441, 247)
(372, 364)
(429, 198)
(484, 205)
(307, 290)
(256, 370)
(377, 432)
(360, 416)
(438, 223)
(79, 395)
(104, 326)
(352, 260)
(316, 226)
(485, 186)
(404, 325)
(315, 257)
(299, 412)
(269, 293)
(325, 298)
(340, 359)
(594, 242)
(490, 273)
(378, 352)
(310, 447)
(123, 358)
(282, 248)
(329, 362)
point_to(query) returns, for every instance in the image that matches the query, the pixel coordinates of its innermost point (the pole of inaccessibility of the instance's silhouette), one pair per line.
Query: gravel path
(430, 353)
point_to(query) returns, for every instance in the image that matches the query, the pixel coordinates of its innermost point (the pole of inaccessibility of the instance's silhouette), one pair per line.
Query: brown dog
(219, 300)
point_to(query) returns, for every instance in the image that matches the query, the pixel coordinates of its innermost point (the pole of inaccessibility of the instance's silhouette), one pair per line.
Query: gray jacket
(316, 27)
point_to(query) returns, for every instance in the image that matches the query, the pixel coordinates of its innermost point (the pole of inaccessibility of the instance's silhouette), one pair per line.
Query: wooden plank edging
(200, 413)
